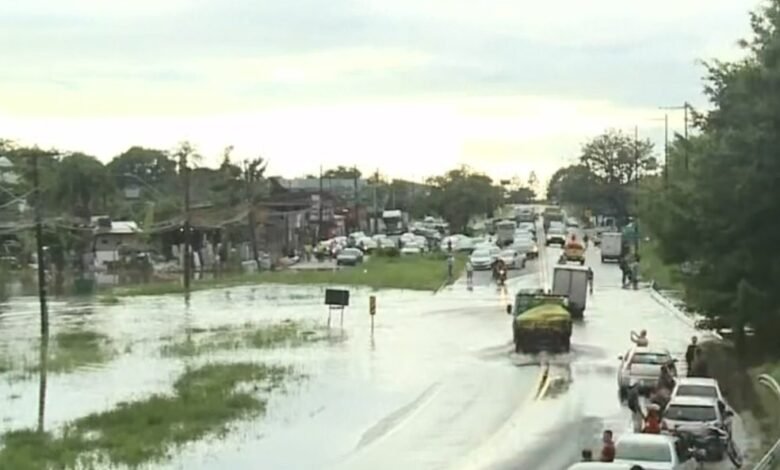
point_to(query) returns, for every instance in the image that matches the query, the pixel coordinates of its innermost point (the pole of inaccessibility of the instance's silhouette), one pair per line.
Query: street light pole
(685, 107)
(636, 190)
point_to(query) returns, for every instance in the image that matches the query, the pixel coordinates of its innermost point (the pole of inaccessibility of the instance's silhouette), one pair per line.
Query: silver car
(512, 259)
(481, 259)
(642, 365)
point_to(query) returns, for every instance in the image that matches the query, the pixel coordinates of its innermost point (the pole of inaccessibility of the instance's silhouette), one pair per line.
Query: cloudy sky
(411, 87)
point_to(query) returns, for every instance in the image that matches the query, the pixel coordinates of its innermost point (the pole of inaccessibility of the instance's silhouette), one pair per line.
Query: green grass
(653, 269)
(197, 342)
(67, 351)
(413, 272)
(204, 403)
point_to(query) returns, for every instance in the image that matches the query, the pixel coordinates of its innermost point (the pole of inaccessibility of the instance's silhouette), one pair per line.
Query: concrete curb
(688, 320)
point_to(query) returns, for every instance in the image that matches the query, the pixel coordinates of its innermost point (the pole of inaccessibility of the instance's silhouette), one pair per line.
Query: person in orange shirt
(653, 423)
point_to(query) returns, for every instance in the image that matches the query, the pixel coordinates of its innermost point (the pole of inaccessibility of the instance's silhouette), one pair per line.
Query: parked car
(349, 257)
(694, 414)
(641, 365)
(652, 452)
(464, 244)
(512, 258)
(481, 259)
(367, 244)
(387, 243)
(697, 387)
(411, 248)
(599, 466)
(526, 245)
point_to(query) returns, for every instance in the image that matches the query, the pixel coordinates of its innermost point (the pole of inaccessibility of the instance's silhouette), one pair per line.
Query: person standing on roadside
(608, 450)
(469, 274)
(590, 279)
(450, 265)
(624, 270)
(690, 354)
(637, 417)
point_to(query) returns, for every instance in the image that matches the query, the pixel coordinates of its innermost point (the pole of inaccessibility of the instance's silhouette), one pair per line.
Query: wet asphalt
(436, 385)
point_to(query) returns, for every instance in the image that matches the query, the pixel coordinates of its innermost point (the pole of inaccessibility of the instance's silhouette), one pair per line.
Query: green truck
(540, 322)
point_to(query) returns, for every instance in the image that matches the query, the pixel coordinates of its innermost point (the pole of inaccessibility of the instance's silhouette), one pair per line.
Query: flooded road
(435, 386)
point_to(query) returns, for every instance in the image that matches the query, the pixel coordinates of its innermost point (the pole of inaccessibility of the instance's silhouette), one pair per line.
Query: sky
(408, 87)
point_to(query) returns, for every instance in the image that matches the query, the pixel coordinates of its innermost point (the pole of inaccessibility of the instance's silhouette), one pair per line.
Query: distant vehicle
(482, 259)
(697, 387)
(367, 244)
(396, 221)
(574, 251)
(505, 232)
(412, 248)
(524, 214)
(527, 246)
(555, 235)
(651, 452)
(572, 222)
(541, 322)
(641, 365)
(512, 258)
(385, 243)
(349, 257)
(611, 246)
(355, 237)
(572, 283)
(550, 215)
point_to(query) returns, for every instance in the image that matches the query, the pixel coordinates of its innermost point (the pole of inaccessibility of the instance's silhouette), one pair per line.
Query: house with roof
(111, 238)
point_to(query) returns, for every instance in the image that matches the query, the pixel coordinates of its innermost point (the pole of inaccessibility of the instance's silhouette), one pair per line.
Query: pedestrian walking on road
(450, 265)
(624, 270)
(690, 354)
(469, 274)
(699, 366)
(637, 417)
(608, 450)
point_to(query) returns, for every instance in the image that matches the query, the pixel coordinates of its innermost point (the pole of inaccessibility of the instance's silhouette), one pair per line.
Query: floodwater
(435, 385)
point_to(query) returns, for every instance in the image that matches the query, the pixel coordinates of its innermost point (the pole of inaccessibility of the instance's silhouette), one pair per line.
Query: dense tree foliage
(721, 213)
(461, 194)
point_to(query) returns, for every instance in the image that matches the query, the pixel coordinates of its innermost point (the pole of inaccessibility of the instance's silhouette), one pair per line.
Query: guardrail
(772, 457)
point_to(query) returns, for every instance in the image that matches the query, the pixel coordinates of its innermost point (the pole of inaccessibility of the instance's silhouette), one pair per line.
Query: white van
(611, 246)
(572, 283)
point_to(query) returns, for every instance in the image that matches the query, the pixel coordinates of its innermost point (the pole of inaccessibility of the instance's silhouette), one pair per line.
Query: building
(111, 238)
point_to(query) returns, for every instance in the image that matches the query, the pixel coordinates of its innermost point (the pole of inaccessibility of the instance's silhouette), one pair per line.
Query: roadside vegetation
(204, 402)
(67, 351)
(665, 276)
(285, 334)
(427, 272)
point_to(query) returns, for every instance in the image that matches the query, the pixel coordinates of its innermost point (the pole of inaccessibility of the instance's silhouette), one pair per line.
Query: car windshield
(508, 253)
(650, 358)
(643, 451)
(697, 391)
(691, 413)
(351, 252)
(481, 254)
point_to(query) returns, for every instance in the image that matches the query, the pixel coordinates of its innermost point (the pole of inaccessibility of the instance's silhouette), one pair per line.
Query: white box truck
(572, 282)
(611, 246)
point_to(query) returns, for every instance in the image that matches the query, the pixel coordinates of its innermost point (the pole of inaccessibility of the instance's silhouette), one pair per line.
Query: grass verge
(197, 342)
(205, 401)
(68, 351)
(413, 272)
(653, 269)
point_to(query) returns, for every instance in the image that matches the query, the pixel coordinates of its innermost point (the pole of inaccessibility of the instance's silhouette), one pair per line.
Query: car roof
(599, 466)
(703, 381)
(641, 438)
(693, 401)
(650, 350)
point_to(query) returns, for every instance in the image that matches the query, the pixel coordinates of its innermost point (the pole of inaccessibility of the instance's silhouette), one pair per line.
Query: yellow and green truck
(540, 322)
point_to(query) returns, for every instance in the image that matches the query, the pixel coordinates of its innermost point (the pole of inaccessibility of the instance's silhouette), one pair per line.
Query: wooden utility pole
(636, 189)
(376, 215)
(39, 247)
(319, 229)
(249, 177)
(184, 152)
(666, 149)
(686, 106)
(355, 182)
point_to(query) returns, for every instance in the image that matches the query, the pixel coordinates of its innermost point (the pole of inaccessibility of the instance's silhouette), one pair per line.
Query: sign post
(336, 299)
(372, 311)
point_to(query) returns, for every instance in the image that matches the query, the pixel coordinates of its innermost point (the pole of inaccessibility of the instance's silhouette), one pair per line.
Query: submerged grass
(197, 342)
(67, 351)
(205, 401)
(412, 272)
(653, 269)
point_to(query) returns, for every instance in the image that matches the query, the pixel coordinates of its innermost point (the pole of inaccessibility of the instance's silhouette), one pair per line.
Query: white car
(367, 244)
(693, 414)
(697, 387)
(512, 259)
(651, 452)
(599, 466)
(481, 259)
(387, 243)
(527, 246)
(555, 236)
(464, 244)
(642, 365)
(422, 242)
(349, 257)
(411, 248)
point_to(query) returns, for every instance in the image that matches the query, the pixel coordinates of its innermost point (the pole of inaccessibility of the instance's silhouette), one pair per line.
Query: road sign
(372, 305)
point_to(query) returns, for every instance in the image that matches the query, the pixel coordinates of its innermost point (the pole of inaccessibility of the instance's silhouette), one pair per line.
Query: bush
(390, 252)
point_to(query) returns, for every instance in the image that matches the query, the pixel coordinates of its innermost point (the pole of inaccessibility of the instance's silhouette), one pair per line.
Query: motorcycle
(501, 277)
(712, 445)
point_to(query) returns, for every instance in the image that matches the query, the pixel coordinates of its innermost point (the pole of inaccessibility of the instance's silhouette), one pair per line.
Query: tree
(82, 185)
(615, 157)
(461, 194)
(138, 165)
(342, 172)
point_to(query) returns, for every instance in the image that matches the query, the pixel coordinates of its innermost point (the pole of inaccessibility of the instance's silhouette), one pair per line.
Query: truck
(525, 214)
(396, 222)
(540, 322)
(552, 214)
(611, 246)
(505, 232)
(572, 282)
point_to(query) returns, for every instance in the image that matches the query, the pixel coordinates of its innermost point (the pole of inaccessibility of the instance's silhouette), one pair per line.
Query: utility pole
(355, 181)
(376, 209)
(184, 152)
(319, 229)
(666, 149)
(249, 177)
(39, 247)
(686, 106)
(636, 190)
